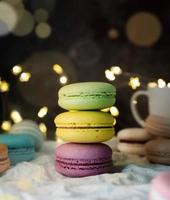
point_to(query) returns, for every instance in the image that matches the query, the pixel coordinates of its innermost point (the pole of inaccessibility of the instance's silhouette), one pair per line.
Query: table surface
(38, 180)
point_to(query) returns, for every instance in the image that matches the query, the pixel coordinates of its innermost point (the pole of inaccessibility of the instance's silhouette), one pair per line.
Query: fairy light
(43, 129)
(114, 122)
(43, 30)
(134, 82)
(8, 18)
(42, 112)
(25, 77)
(161, 83)
(168, 85)
(16, 116)
(25, 24)
(109, 75)
(63, 79)
(41, 15)
(114, 111)
(116, 70)
(6, 125)
(58, 69)
(134, 102)
(16, 70)
(4, 86)
(152, 85)
(113, 33)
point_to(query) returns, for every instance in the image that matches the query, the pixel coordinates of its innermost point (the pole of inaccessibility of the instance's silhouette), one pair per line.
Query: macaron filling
(132, 142)
(12, 150)
(82, 161)
(84, 166)
(84, 127)
(102, 94)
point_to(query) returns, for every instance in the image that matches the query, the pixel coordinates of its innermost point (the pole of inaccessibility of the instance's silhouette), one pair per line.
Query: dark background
(80, 43)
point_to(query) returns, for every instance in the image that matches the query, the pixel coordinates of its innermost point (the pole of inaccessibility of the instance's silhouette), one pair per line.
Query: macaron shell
(81, 171)
(81, 103)
(34, 131)
(84, 152)
(158, 119)
(158, 158)
(87, 96)
(133, 134)
(136, 149)
(88, 88)
(20, 155)
(85, 135)
(158, 151)
(4, 165)
(38, 140)
(158, 126)
(17, 141)
(28, 123)
(158, 132)
(3, 151)
(84, 119)
(4, 160)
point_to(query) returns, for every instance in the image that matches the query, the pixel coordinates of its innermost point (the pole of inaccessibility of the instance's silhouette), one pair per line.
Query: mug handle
(133, 103)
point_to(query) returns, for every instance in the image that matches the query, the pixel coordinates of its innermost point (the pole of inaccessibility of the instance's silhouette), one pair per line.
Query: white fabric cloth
(38, 180)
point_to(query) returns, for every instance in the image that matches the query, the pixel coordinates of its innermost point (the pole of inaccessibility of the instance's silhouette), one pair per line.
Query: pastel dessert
(158, 151)
(158, 126)
(79, 160)
(133, 140)
(31, 128)
(21, 147)
(4, 160)
(87, 96)
(160, 185)
(84, 126)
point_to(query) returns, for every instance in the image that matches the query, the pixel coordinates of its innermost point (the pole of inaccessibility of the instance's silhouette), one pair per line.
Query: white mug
(159, 103)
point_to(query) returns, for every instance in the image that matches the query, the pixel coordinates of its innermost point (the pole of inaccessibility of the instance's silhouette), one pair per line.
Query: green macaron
(87, 96)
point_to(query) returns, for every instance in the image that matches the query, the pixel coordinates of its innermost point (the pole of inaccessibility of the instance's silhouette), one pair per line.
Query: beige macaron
(158, 151)
(158, 126)
(132, 140)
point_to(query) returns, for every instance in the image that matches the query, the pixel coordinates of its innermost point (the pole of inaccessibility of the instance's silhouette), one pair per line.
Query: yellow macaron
(84, 126)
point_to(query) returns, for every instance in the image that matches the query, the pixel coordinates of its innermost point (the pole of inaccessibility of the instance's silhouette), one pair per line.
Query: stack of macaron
(133, 140)
(158, 149)
(4, 160)
(84, 127)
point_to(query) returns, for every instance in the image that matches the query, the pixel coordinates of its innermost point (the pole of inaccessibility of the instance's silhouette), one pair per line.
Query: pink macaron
(160, 187)
(79, 160)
